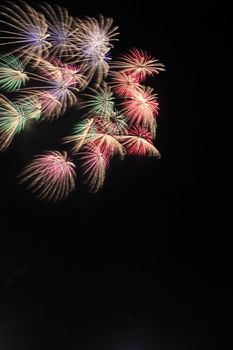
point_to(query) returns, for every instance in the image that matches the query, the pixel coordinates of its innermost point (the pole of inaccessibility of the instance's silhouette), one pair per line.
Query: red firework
(124, 84)
(141, 107)
(138, 142)
(138, 63)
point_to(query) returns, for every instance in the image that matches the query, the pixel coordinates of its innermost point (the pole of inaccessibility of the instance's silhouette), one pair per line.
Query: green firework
(12, 75)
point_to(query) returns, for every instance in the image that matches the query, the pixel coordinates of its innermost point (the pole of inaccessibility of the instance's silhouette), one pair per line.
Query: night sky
(145, 263)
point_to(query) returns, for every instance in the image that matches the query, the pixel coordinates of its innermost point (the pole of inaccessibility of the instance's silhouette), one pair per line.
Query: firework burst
(98, 102)
(124, 84)
(25, 28)
(139, 64)
(52, 176)
(12, 121)
(141, 108)
(12, 75)
(115, 124)
(95, 41)
(62, 32)
(30, 107)
(83, 132)
(94, 163)
(58, 83)
(108, 144)
(138, 142)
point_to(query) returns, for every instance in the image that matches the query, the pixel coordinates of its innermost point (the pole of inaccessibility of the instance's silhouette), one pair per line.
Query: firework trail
(52, 62)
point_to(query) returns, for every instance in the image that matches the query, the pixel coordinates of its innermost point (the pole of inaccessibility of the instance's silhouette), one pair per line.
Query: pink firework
(124, 84)
(50, 106)
(138, 142)
(51, 175)
(138, 63)
(71, 73)
(94, 162)
(59, 81)
(142, 107)
(54, 72)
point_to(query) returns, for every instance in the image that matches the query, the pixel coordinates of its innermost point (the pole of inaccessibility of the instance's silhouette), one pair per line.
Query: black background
(145, 263)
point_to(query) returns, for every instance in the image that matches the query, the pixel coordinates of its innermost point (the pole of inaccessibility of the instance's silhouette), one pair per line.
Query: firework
(12, 121)
(83, 132)
(23, 32)
(108, 144)
(52, 176)
(12, 75)
(50, 106)
(60, 83)
(30, 107)
(95, 41)
(115, 124)
(71, 73)
(138, 142)
(94, 163)
(124, 84)
(99, 102)
(62, 32)
(139, 64)
(142, 107)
